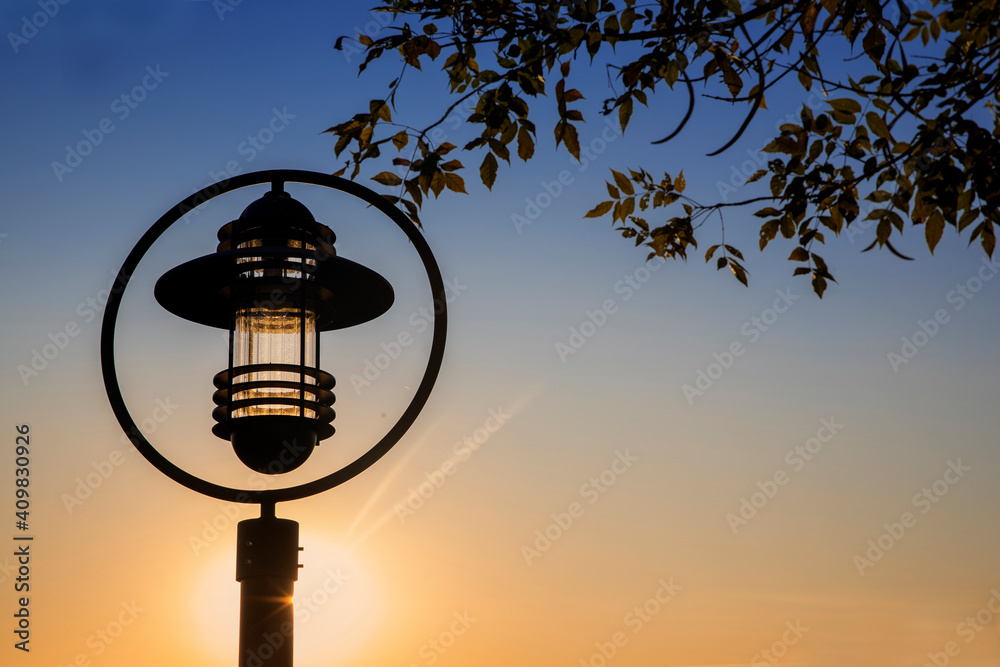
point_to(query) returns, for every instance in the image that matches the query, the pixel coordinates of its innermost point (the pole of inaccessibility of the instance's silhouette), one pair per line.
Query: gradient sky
(652, 565)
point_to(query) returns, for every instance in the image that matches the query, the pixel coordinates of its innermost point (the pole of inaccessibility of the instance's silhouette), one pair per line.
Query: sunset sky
(649, 465)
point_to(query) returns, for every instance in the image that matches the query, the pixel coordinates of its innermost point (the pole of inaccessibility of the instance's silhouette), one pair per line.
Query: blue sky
(208, 84)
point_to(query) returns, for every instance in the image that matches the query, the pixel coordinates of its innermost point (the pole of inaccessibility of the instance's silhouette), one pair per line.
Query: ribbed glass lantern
(275, 282)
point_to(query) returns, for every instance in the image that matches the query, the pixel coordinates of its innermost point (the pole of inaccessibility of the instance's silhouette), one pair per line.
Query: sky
(622, 463)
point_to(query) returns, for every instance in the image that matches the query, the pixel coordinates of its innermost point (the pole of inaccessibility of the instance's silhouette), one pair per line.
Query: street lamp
(274, 283)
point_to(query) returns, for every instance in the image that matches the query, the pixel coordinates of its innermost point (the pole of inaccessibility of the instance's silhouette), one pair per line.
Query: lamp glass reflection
(274, 331)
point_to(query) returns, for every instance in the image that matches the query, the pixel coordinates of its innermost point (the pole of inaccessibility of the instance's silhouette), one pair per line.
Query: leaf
(821, 267)
(411, 211)
(413, 188)
(571, 140)
(782, 145)
(628, 208)
(387, 178)
(967, 219)
(874, 43)
(777, 184)
(739, 272)
(434, 49)
(624, 113)
(767, 212)
(379, 109)
(896, 220)
(848, 207)
(877, 125)
(626, 19)
(767, 232)
(808, 19)
(819, 284)
(525, 144)
(500, 150)
(845, 104)
(624, 184)
(731, 78)
(488, 170)
(400, 140)
(934, 229)
(508, 134)
(613, 192)
(455, 183)
(366, 135)
(734, 251)
(679, 182)
(989, 239)
(883, 231)
(879, 196)
(799, 254)
(341, 144)
(437, 183)
(710, 252)
(599, 210)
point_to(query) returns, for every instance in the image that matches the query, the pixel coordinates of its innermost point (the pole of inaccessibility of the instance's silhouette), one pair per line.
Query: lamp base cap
(273, 444)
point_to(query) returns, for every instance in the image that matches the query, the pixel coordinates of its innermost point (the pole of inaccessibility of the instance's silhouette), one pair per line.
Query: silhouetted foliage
(902, 136)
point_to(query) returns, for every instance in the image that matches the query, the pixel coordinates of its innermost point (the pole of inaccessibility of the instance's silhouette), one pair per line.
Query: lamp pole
(274, 282)
(267, 566)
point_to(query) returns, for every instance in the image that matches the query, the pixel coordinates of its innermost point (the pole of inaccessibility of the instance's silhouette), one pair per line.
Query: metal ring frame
(271, 496)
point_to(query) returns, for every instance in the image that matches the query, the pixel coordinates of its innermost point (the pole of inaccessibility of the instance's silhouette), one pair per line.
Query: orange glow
(337, 603)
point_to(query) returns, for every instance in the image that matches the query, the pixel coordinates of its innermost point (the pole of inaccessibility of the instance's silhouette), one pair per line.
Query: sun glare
(337, 604)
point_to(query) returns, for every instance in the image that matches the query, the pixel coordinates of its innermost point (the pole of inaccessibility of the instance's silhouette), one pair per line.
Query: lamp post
(274, 283)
